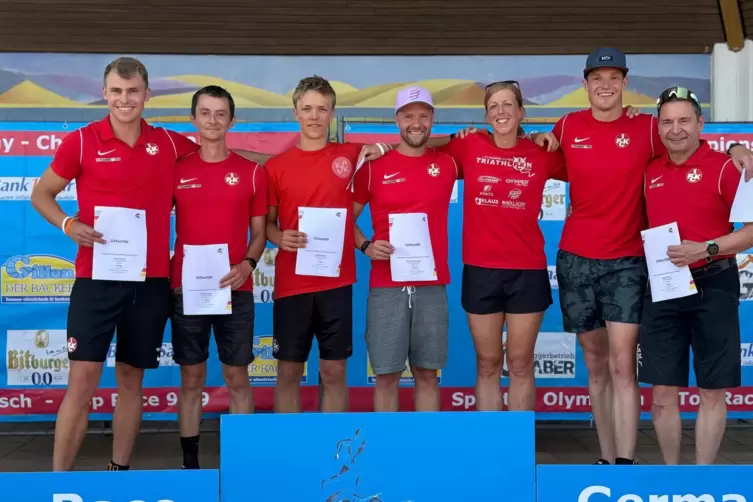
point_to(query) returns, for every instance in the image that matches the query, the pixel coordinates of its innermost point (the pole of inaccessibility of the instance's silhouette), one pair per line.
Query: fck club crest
(622, 140)
(433, 170)
(152, 149)
(232, 179)
(342, 167)
(694, 175)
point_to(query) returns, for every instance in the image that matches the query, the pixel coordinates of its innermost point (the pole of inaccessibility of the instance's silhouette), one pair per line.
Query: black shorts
(708, 322)
(328, 315)
(234, 333)
(139, 311)
(595, 291)
(493, 291)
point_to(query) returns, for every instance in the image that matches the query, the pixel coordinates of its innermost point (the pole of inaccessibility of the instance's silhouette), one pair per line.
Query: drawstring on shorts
(410, 290)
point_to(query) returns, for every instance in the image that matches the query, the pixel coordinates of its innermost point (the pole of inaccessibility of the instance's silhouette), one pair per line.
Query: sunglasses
(506, 82)
(678, 93)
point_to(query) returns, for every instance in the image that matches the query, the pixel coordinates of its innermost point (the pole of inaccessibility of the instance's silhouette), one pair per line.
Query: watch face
(713, 249)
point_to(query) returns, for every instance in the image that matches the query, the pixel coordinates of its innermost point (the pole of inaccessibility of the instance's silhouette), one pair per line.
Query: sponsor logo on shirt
(520, 164)
(655, 182)
(484, 201)
(554, 355)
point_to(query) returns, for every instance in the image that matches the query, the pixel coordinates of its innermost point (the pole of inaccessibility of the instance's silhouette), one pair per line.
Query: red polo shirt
(108, 172)
(697, 194)
(214, 203)
(318, 178)
(396, 183)
(606, 162)
(502, 193)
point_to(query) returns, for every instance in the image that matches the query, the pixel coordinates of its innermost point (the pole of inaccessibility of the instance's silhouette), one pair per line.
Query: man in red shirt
(600, 265)
(409, 191)
(219, 196)
(313, 289)
(121, 162)
(694, 187)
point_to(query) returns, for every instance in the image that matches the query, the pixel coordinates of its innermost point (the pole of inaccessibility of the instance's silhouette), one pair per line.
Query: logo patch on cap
(606, 58)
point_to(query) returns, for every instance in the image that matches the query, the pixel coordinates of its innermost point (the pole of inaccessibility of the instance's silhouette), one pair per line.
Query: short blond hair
(314, 83)
(499, 86)
(127, 67)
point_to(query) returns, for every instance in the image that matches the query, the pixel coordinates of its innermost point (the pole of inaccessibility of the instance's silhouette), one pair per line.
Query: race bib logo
(342, 167)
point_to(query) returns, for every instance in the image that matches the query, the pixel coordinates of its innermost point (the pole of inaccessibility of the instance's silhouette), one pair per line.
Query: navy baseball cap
(606, 57)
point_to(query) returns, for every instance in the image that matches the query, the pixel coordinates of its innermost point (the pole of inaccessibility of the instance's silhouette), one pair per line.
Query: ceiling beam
(732, 21)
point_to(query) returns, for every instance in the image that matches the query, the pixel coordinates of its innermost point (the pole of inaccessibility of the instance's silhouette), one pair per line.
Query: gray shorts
(407, 323)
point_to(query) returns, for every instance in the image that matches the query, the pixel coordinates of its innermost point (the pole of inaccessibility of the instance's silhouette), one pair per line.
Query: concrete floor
(28, 447)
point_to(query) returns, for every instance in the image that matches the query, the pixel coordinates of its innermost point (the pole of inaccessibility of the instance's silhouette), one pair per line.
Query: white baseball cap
(413, 95)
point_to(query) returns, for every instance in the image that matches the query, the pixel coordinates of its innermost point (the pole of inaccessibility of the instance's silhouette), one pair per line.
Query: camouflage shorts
(594, 291)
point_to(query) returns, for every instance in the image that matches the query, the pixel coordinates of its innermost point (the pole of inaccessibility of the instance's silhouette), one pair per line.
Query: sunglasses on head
(678, 93)
(506, 82)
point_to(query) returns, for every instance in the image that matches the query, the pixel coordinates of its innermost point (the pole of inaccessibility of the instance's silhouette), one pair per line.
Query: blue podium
(644, 483)
(122, 486)
(378, 457)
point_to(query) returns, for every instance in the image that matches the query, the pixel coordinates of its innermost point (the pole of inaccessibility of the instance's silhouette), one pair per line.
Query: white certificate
(667, 280)
(742, 206)
(413, 258)
(123, 258)
(203, 269)
(325, 236)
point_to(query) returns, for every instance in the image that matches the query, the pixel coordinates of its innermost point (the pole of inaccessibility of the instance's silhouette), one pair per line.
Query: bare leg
(239, 388)
(335, 399)
(427, 389)
(522, 330)
(623, 345)
(710, 425)
(486, 331)
(287, 391)
(595, 345)
(387, 392)
(128, 410)
(665, 412)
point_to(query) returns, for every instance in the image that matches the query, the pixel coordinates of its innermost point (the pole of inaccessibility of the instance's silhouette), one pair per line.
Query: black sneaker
(601, 461)
(625, 461)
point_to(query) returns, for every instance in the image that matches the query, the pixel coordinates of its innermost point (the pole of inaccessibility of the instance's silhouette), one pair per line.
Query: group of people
(627, 171)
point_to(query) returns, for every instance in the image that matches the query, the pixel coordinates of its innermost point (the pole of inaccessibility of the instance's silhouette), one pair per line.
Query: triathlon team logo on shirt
(152, 149)
(694, 175)
(232, 179)
(522, 165)
(342, 167)
(622, 140)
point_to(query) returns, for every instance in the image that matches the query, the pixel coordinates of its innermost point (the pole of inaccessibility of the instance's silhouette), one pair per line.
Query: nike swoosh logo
(654, 180)
(105, 153)
(581, 140)
(391, 175)
(189, 179)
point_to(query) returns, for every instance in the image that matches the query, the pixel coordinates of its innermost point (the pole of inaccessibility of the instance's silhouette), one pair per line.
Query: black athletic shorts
(234, 333)
(493, 290)
(139, 311)
(595, 291)
(328, 315)
(708, 322)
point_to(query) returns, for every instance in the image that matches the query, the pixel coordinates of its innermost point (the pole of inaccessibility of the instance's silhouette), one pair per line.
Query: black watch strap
(252, 262)
(365, 245)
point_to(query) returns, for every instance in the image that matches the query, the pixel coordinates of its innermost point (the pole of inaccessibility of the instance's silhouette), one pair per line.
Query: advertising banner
(37, 273)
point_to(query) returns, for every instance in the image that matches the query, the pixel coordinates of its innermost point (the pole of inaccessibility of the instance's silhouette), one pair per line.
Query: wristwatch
(365, 245)
(712, 248)
(252, 262)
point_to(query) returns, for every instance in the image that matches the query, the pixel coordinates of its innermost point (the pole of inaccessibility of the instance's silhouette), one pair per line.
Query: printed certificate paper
(742, 206)
(667, 280)
(203, 268)
(325, 232)
(413, 259)
(123, 258)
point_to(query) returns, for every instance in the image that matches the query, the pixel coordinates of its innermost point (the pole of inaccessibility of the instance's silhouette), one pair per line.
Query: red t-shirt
(318, 178)
(214, 203)
(606, 162)
(396, 183)
(108, 172)
(696, 194)
(502, 195)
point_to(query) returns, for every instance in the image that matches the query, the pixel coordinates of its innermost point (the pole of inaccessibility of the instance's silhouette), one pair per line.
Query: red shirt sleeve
(273, 196)
(729, 180)
(457, 148)
(183, 145)
(362, 184)
(559, 128)
(67, 160)
(259, 200)
(557, 165)
(656, 144)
